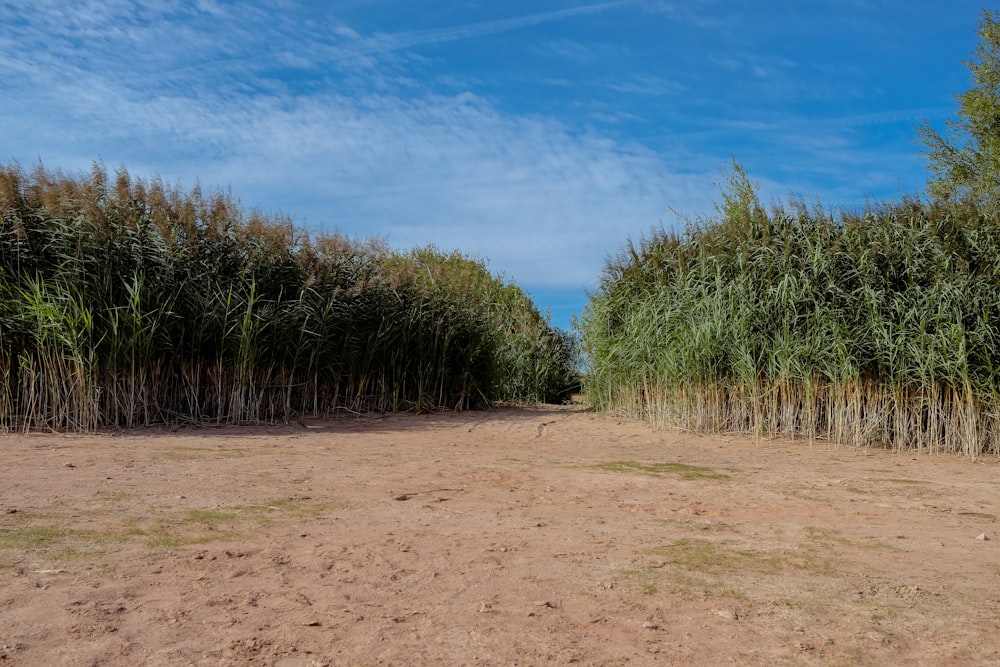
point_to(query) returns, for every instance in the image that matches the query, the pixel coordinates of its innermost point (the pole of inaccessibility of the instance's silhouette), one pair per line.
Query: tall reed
(126, 302)
(877, 327)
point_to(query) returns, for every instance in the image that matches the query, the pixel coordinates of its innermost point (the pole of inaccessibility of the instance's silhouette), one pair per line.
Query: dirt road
(514, 537)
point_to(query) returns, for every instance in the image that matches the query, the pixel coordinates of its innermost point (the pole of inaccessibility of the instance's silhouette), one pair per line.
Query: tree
(965, 161)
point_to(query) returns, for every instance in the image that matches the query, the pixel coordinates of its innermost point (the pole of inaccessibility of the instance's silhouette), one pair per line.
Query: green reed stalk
(126, 302)
(871, 328)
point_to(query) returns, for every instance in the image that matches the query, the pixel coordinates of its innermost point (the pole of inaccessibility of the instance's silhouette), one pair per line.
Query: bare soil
(514, 537)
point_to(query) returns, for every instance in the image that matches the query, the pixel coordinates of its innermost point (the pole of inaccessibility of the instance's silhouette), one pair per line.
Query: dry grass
(682, 470)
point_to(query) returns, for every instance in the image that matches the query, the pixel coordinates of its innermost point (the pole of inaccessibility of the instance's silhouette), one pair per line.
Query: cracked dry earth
(513, 537)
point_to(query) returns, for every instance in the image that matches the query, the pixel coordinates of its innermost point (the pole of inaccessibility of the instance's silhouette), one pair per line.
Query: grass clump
(682, 470)
(714, 558)
(705, 556)
(28, 537)
(701, 567)
(45, 536)
(126, 302)
(879, 327)
(34, 538)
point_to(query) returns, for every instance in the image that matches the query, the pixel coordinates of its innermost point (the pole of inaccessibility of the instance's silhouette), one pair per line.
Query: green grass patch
(720, 558)
(299, 509)
(826, 539)
(716, 558)
(646, 579)
(701, 569)
(688, 584)
(190, 527)
(201, 525)
(31, 537)
(826, 536)
(682, 470)
(209, 517)
(45, 536)
(187, 453)
(47, 541)
(113, 496)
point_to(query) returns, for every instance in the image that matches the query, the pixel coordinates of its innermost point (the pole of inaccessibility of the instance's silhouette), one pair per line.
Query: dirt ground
(514, 537)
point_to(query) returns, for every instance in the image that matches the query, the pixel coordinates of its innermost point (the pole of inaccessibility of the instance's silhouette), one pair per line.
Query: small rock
(983, 537)
(730, 614)
(649, 625)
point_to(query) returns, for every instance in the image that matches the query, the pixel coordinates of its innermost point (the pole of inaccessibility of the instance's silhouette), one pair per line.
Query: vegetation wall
(879, 327)
(126, 302)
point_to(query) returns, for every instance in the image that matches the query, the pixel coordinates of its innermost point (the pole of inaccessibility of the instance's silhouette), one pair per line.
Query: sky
(539, 136)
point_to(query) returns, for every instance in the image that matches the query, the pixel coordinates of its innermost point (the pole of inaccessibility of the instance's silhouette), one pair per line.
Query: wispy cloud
(543, 158)
(401, 40)
(542, 200)
(543, 204)
(586, 53)
(645, 84)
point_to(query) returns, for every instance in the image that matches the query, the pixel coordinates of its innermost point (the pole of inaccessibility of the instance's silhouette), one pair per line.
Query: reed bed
(126, 302)
(871, 328)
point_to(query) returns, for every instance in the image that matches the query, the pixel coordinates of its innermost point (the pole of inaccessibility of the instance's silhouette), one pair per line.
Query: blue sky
(540, 136)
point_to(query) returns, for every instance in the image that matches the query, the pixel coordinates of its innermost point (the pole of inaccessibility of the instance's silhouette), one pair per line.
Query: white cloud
(470, 30)
(542, 201)
(646, 84)
(365, 142)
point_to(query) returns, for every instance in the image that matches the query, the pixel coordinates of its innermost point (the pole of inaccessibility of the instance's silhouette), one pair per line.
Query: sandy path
(516, 537)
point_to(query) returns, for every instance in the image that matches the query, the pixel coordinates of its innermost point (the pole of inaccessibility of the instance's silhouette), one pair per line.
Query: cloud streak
(544, 157)
(404, 40)
(542, 201)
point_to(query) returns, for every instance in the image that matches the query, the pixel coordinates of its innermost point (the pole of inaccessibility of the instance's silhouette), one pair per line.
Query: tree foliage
(965, 160)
